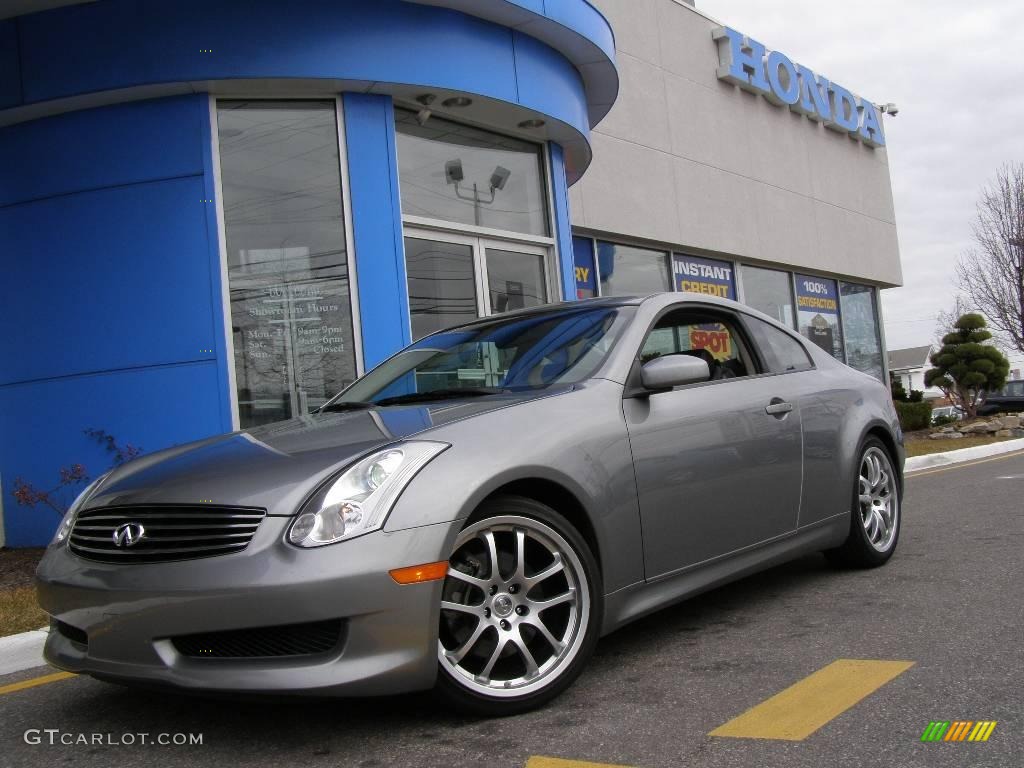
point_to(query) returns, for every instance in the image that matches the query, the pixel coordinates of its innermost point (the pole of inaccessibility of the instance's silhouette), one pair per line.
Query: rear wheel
(875, 522)
(520, 609)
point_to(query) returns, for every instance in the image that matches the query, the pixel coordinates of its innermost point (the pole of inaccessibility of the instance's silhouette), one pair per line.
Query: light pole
(454, 175)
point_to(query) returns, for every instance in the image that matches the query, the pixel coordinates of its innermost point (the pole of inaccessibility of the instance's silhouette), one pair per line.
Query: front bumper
(130, 613)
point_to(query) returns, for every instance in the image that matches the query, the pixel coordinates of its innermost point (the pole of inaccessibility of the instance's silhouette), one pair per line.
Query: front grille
(307, 639)
(169, 532)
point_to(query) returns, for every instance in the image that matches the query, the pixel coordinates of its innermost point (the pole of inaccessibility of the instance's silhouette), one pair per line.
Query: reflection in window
(286, 252)
(629, 271)
(442, 286)
(860, 327)
(514, 353)
(466, 175)
(768, 291)
(515, 280)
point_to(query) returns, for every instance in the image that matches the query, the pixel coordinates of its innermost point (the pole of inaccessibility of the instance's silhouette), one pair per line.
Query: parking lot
(951, 601)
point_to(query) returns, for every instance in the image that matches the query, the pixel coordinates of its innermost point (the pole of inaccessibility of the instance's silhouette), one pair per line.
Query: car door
(718, 463)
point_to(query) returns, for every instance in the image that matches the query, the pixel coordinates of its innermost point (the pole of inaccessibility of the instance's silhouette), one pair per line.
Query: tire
(499, 652)
(876, 515)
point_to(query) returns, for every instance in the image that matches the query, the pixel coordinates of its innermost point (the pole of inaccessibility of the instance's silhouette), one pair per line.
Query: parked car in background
(1008, 400)
(477, 510)
(947, 414)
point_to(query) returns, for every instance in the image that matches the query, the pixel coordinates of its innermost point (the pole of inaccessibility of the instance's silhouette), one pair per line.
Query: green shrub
(915, 396)
(914, 416)
(941, 421)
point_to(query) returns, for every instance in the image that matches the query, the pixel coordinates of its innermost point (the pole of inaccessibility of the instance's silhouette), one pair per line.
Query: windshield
(510, 354)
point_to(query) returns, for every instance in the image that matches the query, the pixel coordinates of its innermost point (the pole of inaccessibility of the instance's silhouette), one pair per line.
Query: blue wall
(114, 44)
(377, 225)
(113, 317)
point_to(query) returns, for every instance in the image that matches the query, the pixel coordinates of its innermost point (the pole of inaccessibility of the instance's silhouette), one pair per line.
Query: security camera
(500, 178)
(890, 109)
(453, 171)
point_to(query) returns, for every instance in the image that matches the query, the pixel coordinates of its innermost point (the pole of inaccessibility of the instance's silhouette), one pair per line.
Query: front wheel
(520, 609)
(875, 522)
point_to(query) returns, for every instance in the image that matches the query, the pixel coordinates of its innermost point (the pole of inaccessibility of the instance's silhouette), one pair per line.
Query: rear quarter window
(782, 352)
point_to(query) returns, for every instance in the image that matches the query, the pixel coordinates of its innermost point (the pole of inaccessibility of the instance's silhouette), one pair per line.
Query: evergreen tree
(966, 368)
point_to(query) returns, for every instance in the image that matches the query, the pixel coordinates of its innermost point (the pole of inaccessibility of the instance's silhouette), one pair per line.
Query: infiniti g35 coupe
(474, 513)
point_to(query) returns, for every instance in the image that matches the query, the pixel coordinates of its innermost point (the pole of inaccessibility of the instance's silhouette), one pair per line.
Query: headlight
(69, 517)
(359, 499)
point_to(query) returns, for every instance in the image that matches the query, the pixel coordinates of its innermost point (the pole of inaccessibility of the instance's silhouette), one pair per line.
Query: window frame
(221, 225)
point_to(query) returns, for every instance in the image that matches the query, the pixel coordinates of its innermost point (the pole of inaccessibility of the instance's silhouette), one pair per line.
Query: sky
(955, 71)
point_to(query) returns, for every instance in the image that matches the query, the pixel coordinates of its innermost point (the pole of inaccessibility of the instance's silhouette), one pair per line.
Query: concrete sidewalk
(22, 651)
(963, 454)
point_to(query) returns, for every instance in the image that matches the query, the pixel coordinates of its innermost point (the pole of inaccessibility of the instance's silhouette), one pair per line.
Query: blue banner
(707, 276)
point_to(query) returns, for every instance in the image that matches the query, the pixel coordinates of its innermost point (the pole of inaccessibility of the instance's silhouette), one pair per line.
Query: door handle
(778, 407)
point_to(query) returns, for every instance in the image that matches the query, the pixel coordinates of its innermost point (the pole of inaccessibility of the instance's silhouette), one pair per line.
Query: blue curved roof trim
(574, 28)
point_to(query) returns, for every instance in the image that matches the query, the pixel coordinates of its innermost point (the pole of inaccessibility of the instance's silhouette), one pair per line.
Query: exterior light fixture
(426, 99)
(532, 123)
(457, 102)
(453, 172)
(499, 178)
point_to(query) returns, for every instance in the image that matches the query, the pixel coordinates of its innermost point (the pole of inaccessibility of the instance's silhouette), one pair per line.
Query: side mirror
(673, 371)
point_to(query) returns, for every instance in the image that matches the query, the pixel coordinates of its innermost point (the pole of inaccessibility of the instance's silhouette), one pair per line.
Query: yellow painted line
(557, 762)
(33, 682)
(800, 710)
(947, 468)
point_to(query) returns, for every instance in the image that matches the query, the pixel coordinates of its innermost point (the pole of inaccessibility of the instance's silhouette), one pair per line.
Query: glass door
(453, 278)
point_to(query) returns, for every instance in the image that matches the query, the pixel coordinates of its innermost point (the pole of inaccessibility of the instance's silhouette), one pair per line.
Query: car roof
(656, 300)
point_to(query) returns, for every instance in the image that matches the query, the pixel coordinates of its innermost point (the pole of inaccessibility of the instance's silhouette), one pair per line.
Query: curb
(963, 454)
(22, 651)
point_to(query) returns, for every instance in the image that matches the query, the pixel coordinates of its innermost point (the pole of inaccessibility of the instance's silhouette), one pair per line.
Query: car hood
(276, 466)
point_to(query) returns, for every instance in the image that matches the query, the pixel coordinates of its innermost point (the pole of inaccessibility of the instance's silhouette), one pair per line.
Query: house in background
(908, 366)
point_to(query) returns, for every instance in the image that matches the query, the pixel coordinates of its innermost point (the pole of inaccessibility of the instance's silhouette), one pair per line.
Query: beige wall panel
(687, 160)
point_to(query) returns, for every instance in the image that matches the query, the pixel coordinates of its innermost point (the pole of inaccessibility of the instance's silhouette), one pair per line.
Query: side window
(702, 336)
(781, 351)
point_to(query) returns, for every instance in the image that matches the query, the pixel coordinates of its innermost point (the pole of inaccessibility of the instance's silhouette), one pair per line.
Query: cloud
(955, 70)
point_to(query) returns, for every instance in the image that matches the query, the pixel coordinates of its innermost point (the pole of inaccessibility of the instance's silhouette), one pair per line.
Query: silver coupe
(474, 513)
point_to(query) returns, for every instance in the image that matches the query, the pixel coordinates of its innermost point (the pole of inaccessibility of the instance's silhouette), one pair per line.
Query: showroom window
(476, 219)
(860, 328)
(817, 302)
(584, 267)
(629, 271)
(769, 291)
(287, 256)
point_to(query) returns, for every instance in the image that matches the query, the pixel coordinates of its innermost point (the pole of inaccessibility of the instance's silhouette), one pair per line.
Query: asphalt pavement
(951, 601)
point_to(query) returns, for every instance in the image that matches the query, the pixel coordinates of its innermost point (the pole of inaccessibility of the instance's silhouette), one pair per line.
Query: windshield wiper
(346, 405)
(440, 394)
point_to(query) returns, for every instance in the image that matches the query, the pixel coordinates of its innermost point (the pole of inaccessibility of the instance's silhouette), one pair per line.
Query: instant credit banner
(817, 303)
(707, 276)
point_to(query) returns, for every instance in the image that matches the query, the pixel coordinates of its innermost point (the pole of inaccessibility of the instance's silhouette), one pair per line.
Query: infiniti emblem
(128, 534)
(502, 606)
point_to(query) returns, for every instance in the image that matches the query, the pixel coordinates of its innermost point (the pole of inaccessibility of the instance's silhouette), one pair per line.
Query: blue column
(377, 225)
(563, 227)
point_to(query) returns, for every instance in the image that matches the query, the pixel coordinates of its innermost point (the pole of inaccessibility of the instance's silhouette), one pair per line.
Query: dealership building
(215, 214)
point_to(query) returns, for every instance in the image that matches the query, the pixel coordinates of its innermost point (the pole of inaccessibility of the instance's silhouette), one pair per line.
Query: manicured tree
(965, 367)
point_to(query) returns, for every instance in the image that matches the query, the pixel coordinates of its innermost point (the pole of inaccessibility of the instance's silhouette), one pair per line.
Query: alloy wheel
(515, 607)
(879, 499)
